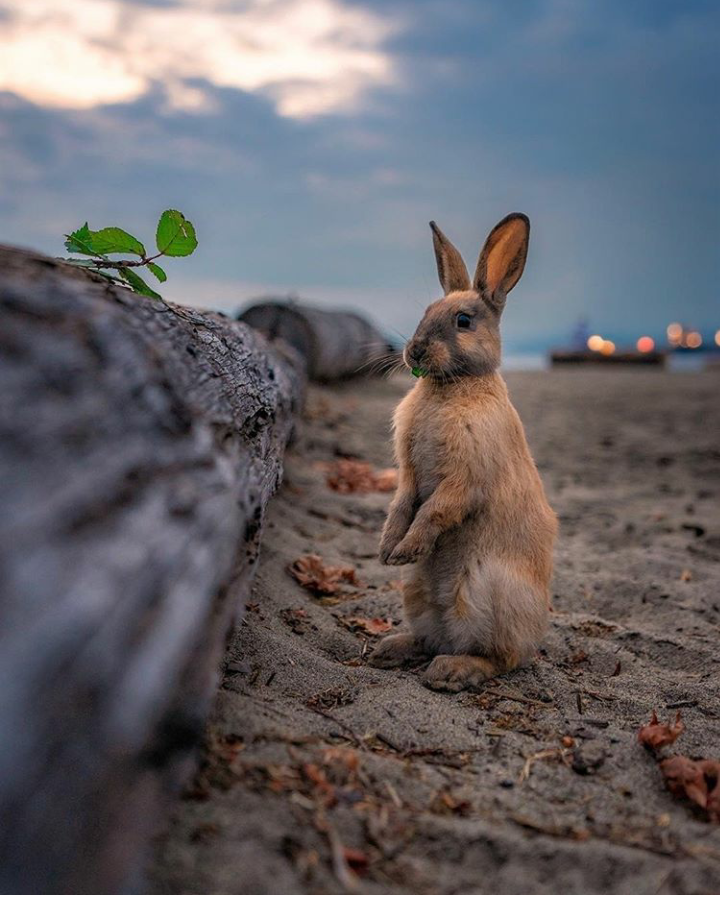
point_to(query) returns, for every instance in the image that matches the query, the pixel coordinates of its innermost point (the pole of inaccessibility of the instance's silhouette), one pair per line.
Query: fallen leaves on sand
(350, 476)
(579, 658)
(698, 781)
(333, 697)
(371, 626)
(447, 803)
(297, 620)
(656, 735)
(356, 859)
(594, 627)
(318, 784)
(319, 578)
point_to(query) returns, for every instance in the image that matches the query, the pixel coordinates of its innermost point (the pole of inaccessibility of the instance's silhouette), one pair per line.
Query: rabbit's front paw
(409, 549)
(396, 526)
(388, 543)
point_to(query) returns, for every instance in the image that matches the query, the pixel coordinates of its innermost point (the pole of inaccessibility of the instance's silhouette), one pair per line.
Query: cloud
(599, 124)
(309, 57)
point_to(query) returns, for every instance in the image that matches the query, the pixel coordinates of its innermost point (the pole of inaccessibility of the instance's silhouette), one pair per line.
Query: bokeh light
(693, 340)
(608, 347)
(595, 342)
(645, 344)
(674, 332)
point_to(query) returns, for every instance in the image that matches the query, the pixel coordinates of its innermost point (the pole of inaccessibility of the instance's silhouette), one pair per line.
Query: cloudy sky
(310, 141)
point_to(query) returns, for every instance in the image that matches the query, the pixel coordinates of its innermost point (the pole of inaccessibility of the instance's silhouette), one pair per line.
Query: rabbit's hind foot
(453, 673)
(396, 650)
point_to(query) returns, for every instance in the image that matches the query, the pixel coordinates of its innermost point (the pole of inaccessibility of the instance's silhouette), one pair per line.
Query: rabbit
(470, 513)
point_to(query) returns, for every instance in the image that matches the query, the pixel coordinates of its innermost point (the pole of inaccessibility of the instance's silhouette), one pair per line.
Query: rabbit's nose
(416, 351)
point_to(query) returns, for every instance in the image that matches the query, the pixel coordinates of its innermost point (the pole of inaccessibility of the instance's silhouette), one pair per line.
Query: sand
(322, 774)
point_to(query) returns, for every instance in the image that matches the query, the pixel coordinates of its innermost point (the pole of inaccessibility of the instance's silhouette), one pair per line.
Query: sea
(676, 361)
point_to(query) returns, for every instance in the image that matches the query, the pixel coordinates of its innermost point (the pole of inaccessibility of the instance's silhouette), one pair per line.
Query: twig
(343, 726)
(546, 753)
(393, 793)
(345, 876)
(516, 697)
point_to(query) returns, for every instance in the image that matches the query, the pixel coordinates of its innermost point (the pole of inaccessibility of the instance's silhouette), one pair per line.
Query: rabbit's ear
(451, 269)
(502, 259)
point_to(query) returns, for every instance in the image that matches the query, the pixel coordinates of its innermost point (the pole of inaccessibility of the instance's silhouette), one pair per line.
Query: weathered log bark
(139, 445)
(334, 344)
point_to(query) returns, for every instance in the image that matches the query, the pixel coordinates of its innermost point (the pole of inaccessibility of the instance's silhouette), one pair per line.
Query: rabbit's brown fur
(470, 511)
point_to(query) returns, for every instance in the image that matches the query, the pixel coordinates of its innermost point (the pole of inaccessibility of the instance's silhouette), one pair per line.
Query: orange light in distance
(693, 340)
(608, 347)
(717, 338)
(595, 343)
(645, 344)
(674, 332)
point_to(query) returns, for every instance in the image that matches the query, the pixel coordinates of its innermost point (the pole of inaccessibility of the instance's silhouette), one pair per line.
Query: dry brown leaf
(373, 626)
(698, 781)
(323, 790)
(357, 860)
(711, 769)
(349, 476)
(344, 758)
(297, 620)
(656, 735)
(446, 803)
(321, 579)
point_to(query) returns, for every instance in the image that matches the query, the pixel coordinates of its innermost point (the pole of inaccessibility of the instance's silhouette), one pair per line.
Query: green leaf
(157, 271)
(106, 240)
(175, 234)
(137, 283)
(80, 241)
(115, 240)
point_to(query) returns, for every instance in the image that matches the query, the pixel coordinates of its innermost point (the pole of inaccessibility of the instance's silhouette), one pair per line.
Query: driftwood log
(334, 344)
(139, 445)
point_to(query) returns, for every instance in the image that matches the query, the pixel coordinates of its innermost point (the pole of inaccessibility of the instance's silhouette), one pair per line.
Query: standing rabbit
(470, 510)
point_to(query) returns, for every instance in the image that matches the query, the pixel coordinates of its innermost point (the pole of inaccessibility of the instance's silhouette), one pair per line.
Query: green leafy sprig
(175, 236)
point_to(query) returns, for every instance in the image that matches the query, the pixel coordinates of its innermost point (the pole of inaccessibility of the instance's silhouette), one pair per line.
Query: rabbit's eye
(464, 321)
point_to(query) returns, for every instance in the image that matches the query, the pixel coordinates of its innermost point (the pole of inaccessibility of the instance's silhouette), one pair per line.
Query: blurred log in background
(334, 344)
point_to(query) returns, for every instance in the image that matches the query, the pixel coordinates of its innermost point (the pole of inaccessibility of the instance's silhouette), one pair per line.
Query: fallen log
(139, 444)
(334, 344)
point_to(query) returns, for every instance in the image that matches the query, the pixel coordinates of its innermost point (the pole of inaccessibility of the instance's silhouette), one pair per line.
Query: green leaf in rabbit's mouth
(419, 372)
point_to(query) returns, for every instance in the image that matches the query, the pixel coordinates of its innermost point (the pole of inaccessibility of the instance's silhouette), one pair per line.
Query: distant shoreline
(540, 361)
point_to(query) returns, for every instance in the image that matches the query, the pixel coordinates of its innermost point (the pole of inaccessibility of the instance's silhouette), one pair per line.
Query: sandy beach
(322, 774)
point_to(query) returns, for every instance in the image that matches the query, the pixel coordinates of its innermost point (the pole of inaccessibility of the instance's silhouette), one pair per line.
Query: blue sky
(311, 141)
